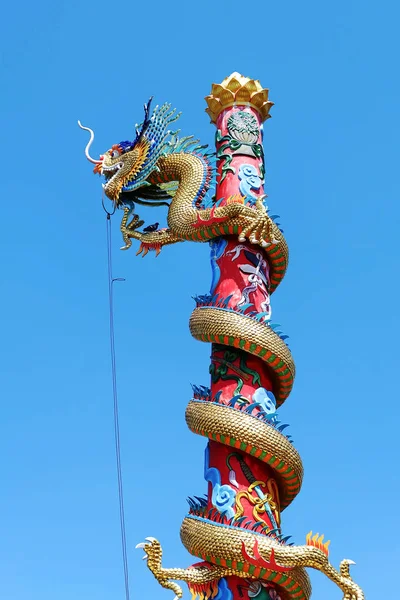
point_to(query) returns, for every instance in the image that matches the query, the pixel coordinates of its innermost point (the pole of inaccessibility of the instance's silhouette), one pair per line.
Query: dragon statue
(252, 469)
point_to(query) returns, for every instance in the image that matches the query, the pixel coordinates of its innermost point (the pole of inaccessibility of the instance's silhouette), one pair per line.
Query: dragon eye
(114, 153)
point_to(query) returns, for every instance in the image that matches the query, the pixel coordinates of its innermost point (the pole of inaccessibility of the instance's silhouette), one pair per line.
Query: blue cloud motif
(223, 498)
(224, 592)
(249, 181)
(211, 474)
(217, 246)
(266, 402)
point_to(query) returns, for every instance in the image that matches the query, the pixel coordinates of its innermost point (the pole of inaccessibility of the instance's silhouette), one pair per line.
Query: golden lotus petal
(224, 95)
(214, 104)
(242, 95)
(212, 116)
(227, 97)
(265, 110)
(234, 85)
(251, 86)
(242, 80)
(233, 82)
(259, 98)
(265, 115)
(237, 89)
(217, 89)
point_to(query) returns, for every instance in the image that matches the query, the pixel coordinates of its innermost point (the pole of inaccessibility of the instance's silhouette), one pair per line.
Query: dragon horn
(147, 108)
(95, 162)
(146, 120)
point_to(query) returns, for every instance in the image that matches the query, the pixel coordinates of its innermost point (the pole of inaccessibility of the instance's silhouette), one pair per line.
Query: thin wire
(110, 214)
(111, 281)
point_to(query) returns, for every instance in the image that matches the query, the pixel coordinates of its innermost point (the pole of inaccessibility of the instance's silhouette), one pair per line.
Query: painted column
(242, 490)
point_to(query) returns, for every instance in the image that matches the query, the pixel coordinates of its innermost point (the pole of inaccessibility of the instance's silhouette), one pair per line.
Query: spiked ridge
(317, 542)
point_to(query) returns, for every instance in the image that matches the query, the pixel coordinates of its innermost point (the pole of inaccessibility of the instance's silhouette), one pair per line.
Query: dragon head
(120, 166)
(127, 165)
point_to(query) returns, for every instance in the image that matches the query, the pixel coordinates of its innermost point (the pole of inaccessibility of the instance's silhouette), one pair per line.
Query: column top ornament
(238, 90)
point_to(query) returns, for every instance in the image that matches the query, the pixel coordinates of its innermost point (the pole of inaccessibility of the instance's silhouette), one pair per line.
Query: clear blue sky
(332, 174)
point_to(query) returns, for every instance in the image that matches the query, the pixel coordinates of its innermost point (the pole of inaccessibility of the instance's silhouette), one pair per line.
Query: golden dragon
(158, 168)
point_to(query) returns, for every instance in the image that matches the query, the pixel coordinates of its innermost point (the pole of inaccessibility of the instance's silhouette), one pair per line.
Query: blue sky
(332, 163)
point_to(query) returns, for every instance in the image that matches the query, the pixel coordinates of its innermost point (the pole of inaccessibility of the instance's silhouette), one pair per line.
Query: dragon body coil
(252, 469)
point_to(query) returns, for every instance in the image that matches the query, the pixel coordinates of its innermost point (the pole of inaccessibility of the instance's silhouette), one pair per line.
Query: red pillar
(244, 275)
(241, 275)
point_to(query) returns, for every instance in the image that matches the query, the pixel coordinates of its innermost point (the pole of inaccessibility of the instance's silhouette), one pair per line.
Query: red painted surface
(228, 387)
(235, 267)
(219, 458)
